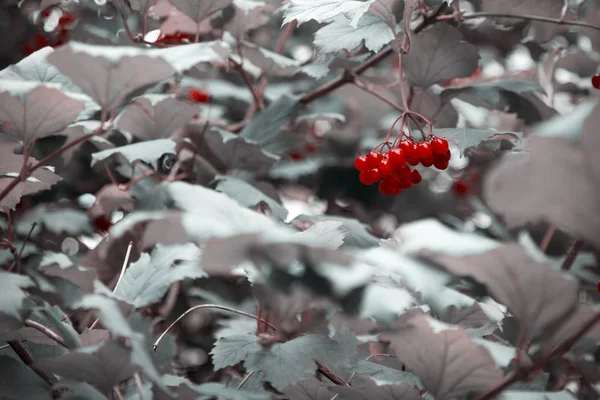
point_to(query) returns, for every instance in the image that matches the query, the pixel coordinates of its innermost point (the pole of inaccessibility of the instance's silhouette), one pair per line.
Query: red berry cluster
(53, 39)
(174, 38)
(596, 81)
(391, 170)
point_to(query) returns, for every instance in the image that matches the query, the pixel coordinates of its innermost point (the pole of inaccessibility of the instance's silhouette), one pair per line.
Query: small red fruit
(102, 223)
(439, 146)
(461, 188)
(403, 172)
(416, 177)
(428, 162)
(199, 96)
(390, 186)
(596, 81)
(424, 151)
(406, 182)
(440, 164)
(373, 159)
(446, 157)
(361, 163)
(385, 166)
(369, 177)
(66, 19)
(397, 158)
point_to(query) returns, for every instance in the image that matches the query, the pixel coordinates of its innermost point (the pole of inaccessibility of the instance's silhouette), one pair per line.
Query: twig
(246, 379)
(201, 306)
(46, 331)
(556, 21)
(118, 393)
(360, 84)
(330, 375)
(286, 33)
(123, 268)
(138, 383)
(547, 238)
(572, 254)
(18, 258)
(28, 359)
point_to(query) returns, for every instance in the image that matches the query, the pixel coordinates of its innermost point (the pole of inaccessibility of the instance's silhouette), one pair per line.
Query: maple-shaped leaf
(148, 151)
(309, 389)
(265, 129)
(231, 350)
(533, 176)
(199, 10)
(18, 381)
(10, 167)
(142, 6)
(248, 15)
(324, 10)
(467, 317)
(103, 369)
(341, 35)
(161, 120)
(11, 287)
(43, 112)
(106, 82)
(271, 64)
(489, 90)
(438, 54)
(178, 22)
(538, 296)
(389, 11)
(544, 8)
(449, 364)
(149, 278)
(111, 198)
(573, 323)
(366, 389)
(466, 138)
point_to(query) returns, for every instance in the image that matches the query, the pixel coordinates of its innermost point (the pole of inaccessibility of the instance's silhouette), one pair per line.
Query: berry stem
(572, 253)
(547, 238)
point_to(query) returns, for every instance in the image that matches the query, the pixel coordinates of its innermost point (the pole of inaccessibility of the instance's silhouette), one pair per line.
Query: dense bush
(300, 199)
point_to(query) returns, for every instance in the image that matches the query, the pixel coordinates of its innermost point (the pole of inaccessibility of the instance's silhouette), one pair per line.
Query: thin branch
(46, 331)
(246, 379)
(556, 21)
(286, 33)
(138, 383)
(28, 360)
(206, 306)
(118, 393)
(360, 84)
(330, 375)
(123, 268)
(572, 254)
(547, 238)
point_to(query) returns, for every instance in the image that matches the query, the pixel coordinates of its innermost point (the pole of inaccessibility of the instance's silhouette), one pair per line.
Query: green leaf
(11, 286)
(231, 350)
(248, 195)
(466, 138)
(324, 10)
(341, 35)
(148, 151)
(265, 129)
(18, 382)
(149, 278)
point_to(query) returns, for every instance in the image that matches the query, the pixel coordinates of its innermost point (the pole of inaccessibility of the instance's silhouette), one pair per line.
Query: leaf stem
(206, 306)
(572, 253)
(46, 331)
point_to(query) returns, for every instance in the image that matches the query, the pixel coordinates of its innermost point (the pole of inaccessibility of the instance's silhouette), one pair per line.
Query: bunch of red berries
(391, 170)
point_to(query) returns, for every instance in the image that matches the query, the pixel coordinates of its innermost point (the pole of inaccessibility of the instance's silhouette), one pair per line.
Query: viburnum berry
(199, 96)
(403, 171)
(596, 81)
(361, 163)
(397, 158)
(428, 162)
(390, 186)
(424, 151)
(440, 164)
(461, 188)
(416, 177)
(410, 152)
(385, 166)
(102, 223)
(439, 146)
(373, 159)
(406, 182)
(446, 157)
(369, 177)
(66, 19)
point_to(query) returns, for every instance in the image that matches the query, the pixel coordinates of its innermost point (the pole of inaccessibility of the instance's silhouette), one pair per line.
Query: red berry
(390, 186)
(428, 162)
(598, 287)
(406, 182)
(369, 177)
(416, 177)
(199, 96)
(446, 157)
(596, 81)
(424, 151)
(102, 223)
(461, 188)
(373, 159)
(66, 19)
(397, 158)
(385, 166)
(311, 148)
(440, 164)
(296, 155)
(439, 146)
(407, 147)
(361, 163)
(403, 172)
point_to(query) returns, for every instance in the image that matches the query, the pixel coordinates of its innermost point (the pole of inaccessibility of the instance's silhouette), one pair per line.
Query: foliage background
(180, 216)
